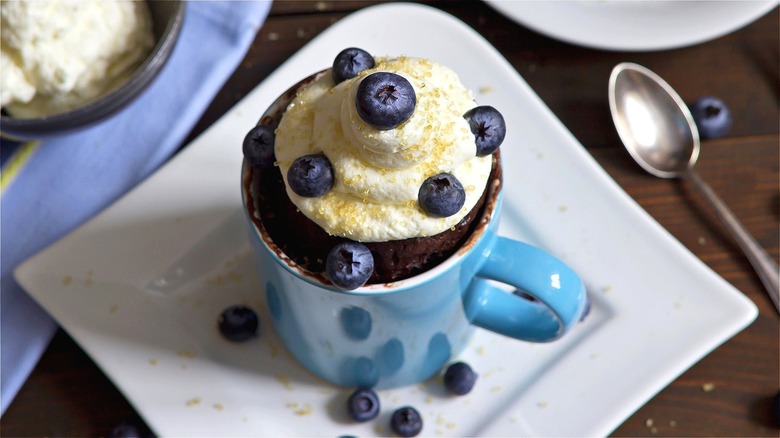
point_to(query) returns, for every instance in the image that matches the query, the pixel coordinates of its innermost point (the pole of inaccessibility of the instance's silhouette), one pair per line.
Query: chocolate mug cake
(374, 170)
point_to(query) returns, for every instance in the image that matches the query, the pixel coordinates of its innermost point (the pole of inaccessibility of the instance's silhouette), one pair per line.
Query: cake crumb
(606, 289)
(285, 381)
(153, 361)
(563, 208)
(193, 402)
(485, 89)
(672, 423)
(495, 389)
(218, 406)
(272, 36)
(649, 422)
(274, 349)
(113, 309)
(187, 354)
(307, 409)
(708, 387)
(702, 241)
(67, 280)
(542, 404)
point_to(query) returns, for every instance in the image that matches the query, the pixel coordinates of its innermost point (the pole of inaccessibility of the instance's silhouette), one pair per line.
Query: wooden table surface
(728, 392)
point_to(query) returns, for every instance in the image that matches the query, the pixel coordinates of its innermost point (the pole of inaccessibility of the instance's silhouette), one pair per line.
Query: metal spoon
(658, 130)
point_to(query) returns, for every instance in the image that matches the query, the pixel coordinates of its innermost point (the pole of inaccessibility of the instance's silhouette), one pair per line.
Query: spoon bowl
(653, 122)
(658, 130)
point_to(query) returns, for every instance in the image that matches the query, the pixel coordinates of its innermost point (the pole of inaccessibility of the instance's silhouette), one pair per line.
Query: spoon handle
(764, 265)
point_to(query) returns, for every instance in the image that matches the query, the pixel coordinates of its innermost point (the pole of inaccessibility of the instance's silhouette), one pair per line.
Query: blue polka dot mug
(394, 334)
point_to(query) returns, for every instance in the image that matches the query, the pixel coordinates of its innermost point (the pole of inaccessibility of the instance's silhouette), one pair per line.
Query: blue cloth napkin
(52, 187)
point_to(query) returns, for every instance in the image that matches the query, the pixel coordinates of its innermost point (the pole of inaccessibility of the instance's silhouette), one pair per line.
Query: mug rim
(488, 216)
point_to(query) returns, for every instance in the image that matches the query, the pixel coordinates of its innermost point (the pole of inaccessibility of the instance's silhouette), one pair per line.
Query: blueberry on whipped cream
(488, 127)
(349, 62)
(310, 176)
(441, 195)
(258, 147)
(385, 100)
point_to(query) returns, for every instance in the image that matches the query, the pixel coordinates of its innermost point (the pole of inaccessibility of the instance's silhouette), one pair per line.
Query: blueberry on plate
(441, 195)
(310, 175)
(349, 62)
(258, 147)
(363, 405)
(349, 265)
(459, 378)
(238, 323)
(712, 117)
(488, 127)
(406, 422)
(385, 100)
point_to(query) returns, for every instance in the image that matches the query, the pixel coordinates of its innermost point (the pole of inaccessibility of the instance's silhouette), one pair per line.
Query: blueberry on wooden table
(712, 117)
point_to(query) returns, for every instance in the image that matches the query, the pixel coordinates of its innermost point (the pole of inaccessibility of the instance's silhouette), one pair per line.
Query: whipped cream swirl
(378, 173)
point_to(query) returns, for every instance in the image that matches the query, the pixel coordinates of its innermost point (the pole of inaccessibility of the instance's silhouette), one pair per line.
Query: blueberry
(310, 176)
(712, 117)
(488, 127)
(349, 62)
(258, 147)
(441, 195)
(349, 265)
(126, 429)
(406, 421)
(363, 405)
(385, 100)
(238, 323)
(459, 378)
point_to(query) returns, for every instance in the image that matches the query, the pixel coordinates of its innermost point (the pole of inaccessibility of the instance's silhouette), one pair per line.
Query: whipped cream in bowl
(69, 64)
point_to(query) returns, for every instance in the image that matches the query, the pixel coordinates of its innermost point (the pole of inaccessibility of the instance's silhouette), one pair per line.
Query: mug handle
(558, 293)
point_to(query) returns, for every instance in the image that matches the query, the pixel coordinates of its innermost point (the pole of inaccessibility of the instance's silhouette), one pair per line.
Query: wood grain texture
(725, 394)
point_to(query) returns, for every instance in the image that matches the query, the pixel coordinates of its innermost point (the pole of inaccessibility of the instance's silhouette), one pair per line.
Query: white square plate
(141, 285)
